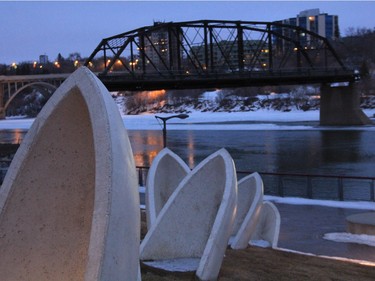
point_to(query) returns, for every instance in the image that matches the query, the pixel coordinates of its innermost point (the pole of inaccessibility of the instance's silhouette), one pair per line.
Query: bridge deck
(123, 81)
(27, 78)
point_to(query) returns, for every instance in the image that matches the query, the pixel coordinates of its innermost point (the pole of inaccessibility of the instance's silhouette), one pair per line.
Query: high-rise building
(160, 47)
(43, 59)
(312, 20)
(225, 55)
(321, 23)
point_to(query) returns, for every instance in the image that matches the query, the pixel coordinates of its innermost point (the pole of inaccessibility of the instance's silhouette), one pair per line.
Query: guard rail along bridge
(228, 54)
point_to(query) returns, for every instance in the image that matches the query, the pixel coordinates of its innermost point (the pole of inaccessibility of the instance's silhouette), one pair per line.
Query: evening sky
(32, 28)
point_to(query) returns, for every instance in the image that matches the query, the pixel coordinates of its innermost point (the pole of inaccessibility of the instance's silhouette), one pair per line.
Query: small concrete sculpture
(197, 219)
(69, 202)
(250, 199)
(166, 172)
(268, 227)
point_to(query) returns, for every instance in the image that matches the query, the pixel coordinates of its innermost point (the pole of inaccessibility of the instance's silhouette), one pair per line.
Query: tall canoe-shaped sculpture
(250, 199)
(268, 227)
(197, 220)
(69, 203)
(166, 172)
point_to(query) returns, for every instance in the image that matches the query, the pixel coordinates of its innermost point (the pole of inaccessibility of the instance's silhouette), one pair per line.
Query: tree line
(59, 65)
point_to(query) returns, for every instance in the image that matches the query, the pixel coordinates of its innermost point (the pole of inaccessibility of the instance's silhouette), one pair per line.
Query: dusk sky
(29, 29)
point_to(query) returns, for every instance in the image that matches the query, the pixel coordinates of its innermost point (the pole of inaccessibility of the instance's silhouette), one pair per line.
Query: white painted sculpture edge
(268, 228)
(180, 171)
(116, 219)
(277, 222)
(248, 225)
(157, 245)
(210, 264)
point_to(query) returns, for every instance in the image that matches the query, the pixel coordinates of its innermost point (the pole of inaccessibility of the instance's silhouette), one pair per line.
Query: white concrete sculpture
(69, 203)
(250, 199)
(268, 227)
(166, 172)
(197, 220)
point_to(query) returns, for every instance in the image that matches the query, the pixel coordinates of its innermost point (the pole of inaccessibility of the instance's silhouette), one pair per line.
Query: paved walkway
(303, 227)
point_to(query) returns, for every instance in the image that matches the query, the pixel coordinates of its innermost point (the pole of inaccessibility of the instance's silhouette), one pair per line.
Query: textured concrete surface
(197, 219)
(69, 203)
(250, 199)
(166, 172)
(268, 227)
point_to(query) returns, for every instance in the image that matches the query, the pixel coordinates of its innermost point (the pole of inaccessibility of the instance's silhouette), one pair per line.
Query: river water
(324, 152)
(318, 152)
(328, 152)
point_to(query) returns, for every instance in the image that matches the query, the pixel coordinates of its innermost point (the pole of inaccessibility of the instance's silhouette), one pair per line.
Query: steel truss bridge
(216, 53)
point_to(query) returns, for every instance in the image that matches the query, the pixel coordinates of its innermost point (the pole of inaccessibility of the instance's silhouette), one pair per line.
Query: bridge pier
(340, 106)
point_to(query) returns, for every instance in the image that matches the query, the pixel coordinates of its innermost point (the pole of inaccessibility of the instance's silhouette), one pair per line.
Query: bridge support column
(340, 106)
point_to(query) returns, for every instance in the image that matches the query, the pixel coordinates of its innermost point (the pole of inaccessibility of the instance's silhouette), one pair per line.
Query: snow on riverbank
(219, 120)
(252, 120)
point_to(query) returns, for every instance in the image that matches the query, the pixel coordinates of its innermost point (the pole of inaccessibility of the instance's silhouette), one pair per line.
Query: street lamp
(164, 119)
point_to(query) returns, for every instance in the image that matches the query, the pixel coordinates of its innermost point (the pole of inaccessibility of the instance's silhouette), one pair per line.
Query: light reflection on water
(145, 145)
(18, 135)
(335, 153)
(190, 152)
(12, 135)
(349, 153)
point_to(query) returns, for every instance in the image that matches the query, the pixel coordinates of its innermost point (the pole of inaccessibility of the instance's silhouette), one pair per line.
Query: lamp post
(164, 119)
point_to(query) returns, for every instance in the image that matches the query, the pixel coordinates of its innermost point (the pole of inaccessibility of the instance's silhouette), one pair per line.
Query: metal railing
(311, 186)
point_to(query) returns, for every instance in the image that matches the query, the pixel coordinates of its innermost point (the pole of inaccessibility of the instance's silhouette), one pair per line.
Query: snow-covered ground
(343, 237)
(252, 120)
(255, 120)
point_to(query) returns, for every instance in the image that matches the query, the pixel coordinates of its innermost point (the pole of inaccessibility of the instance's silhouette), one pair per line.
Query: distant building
(321, 23)
(160, 47)
(312, 20)
(43, 59)
(225, 55)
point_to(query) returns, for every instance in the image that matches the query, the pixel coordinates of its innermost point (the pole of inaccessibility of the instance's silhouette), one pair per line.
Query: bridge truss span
(202, 53)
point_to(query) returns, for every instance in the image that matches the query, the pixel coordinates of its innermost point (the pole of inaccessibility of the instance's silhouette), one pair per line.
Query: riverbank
(251, 120)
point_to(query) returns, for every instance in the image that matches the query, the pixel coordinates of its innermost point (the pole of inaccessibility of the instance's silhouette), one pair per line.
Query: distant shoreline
(250, 120)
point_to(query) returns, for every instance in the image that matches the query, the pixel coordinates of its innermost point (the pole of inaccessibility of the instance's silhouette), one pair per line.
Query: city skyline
(30, 29)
